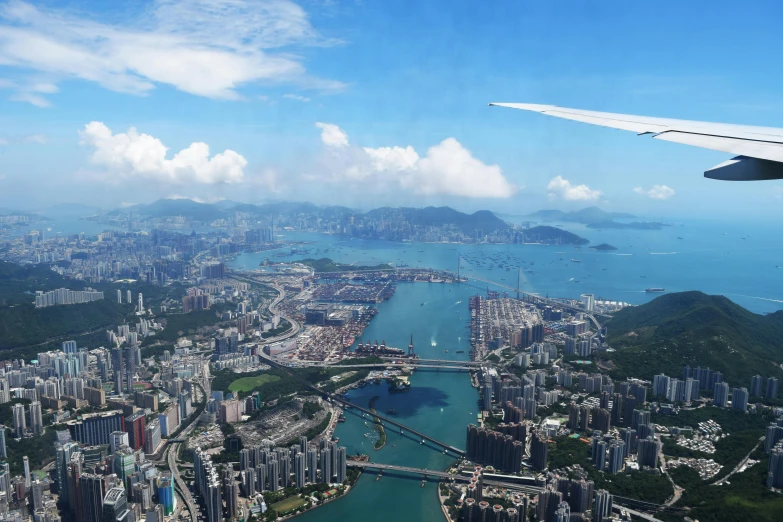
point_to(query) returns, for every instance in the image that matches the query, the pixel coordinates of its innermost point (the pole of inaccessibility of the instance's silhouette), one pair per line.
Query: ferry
(575, 261)
(654, 290)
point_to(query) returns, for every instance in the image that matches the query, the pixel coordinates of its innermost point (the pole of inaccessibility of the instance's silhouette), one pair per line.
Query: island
(604, 247)
(325, 264)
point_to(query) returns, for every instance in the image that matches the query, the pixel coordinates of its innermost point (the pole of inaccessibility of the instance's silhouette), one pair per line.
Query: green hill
(696, 329)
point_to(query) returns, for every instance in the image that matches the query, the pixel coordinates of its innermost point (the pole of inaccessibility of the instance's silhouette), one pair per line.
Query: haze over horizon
(370, 104)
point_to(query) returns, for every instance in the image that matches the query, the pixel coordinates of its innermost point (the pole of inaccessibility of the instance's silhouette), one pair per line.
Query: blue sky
(365, 103)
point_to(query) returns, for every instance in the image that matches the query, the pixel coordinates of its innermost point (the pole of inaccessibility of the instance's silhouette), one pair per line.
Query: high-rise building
(739, 399)
(720, 395)
(3, 448)
(119, 296)
(135, 426)
(96, 428)
(563, 512)
(326, 466)
(602, 506)
(300, 477)
(155, 514)
(141, 494)
(20, 422)
(92, 491)
(117, 367)
(27, 478)
(141, 303)
(756, 382)
(69, 347)
(312, 464)
(117, 439)
(115, 506)
(616, 456)
(342, 462)
(772, 388)
(164, 489)
(773, 435)
(36, 419)
(648, 452)
(538, 451)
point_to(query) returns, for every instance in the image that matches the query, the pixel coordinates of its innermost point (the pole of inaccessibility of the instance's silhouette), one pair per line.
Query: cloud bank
(132, 155)
(184, 44)
(447, 168)
(559, 187)
(656, 192)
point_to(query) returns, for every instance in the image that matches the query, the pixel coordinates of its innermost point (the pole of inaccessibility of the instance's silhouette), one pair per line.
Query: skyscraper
(326, 466)
(756, 383)
(648, 452)
(92, 492)
(602, 506)
(3, 449)
(115, 506)
(772, 388)
(36, 419)
(538, 451)
(616, 456)
(117, 366)
(141, 303)
(300, 476)
(739, 399)
(720, 395)
(26, 462)
(342, 462)
(20, 423)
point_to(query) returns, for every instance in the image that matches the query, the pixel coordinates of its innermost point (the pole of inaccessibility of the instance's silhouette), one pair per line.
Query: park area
(247, 384)
(288, 504)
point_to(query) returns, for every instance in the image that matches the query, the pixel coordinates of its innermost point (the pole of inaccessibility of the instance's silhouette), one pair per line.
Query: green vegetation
(24, 325)
(248, 384)
(288, 504)
(178, 325)
(287, 385)
(744, 432)
(381, 442)
(19, 283)
(546, 234)
(327, 265)
(309, 409)
(37, 449)
(745, 497)
(633, 484)
(493, 358)
(695, 329)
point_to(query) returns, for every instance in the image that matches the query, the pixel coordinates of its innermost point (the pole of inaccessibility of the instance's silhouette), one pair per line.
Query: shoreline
(347, 491)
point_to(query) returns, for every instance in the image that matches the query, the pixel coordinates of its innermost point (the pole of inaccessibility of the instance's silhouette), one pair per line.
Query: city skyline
(305, 102)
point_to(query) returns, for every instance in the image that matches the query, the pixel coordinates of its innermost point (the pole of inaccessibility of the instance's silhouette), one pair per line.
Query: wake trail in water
(761, 298)
(663, 253)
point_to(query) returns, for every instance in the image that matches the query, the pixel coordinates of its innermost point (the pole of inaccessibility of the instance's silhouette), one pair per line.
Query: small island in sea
(604, 246)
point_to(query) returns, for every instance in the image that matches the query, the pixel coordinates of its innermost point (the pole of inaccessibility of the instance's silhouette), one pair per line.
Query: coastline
(348, 489)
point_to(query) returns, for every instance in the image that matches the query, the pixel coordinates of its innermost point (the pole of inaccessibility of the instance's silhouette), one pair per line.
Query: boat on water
(460, 351)
(446, 351)
(391, 411)
(655, 290)
(575, 261)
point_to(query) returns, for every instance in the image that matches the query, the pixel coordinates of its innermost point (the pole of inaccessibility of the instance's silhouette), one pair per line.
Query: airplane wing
(759, 149)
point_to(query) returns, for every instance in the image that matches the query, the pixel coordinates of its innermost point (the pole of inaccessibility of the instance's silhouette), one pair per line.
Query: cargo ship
(654, 290)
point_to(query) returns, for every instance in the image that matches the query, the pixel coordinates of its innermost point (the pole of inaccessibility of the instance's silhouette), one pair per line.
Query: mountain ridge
(696, 329)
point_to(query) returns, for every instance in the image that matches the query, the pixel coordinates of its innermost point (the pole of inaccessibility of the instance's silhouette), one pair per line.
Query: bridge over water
(384, 420)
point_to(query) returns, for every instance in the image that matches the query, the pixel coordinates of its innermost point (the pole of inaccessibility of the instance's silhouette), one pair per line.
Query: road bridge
(383, 420)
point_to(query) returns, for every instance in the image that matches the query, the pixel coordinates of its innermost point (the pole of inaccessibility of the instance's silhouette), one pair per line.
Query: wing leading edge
(759, 149)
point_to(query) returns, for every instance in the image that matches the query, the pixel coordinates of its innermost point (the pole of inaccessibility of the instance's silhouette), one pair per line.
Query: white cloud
(562, 188)
(30, 90)
(332, 135)
(448, 168)
(184, 44)
(141, 156)
(656, 192)
(3, 141)
(296, 97)
(41, 139)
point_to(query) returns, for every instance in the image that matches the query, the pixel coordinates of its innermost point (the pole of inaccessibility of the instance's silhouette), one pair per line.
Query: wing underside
(759, 150)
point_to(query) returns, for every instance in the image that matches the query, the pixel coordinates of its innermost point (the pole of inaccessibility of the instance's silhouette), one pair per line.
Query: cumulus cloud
(140, 156)
(562, 188)
(183, 44)
(332, 135)
(656, 192)
(296, 97)
(447, 168)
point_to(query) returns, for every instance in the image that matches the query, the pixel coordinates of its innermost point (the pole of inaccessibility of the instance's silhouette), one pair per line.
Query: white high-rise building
(128, 298)
(141, 302)
(588, 302)
(119, 296)
(27, 480)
